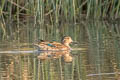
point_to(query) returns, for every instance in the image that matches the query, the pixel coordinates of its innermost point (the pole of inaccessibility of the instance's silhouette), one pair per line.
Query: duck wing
(45, 45)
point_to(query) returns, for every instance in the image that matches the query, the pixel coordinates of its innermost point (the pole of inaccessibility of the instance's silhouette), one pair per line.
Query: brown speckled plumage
(64, 45)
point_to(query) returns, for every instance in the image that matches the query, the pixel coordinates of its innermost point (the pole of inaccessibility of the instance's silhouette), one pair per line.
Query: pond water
(95, 57)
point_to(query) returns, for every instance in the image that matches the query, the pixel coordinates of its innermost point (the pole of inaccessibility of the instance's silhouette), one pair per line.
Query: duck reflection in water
(56, 54)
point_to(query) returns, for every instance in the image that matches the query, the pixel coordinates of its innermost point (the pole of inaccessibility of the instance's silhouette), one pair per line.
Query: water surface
(95, 57)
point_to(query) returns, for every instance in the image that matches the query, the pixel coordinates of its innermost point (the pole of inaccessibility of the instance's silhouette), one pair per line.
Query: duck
(56, 46)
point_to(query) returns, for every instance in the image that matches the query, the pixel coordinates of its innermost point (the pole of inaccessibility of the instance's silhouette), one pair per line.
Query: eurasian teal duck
(64, 45)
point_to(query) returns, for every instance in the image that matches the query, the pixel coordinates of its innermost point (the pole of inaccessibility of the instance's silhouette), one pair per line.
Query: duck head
(67, 40)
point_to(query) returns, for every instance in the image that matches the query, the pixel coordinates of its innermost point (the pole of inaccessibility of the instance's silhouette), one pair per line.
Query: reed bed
(55, 11)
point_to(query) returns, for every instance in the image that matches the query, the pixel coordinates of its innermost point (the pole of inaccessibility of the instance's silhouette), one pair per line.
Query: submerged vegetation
(55, 11)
